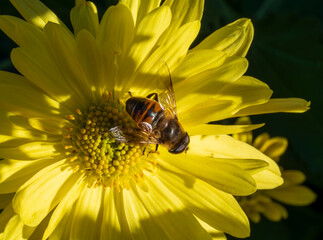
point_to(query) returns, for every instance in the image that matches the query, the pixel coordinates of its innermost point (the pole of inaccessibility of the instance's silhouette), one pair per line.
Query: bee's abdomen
(133, 105)
(143, 109)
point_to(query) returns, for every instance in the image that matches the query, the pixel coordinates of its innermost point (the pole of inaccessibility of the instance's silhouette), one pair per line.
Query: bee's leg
(154, 95)
(157, 145)
(146, 127)
(187, 149)
(148, 142)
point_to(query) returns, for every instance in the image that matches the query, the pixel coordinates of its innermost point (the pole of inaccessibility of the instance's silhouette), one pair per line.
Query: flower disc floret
(106, 160)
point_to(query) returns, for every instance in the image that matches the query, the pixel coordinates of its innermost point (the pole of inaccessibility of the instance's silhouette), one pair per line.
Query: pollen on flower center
(97, 153)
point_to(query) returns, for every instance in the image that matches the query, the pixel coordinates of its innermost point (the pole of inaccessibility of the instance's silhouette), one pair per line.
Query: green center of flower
(99, 155)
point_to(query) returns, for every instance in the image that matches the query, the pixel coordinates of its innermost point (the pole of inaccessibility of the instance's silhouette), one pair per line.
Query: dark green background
(287, 54)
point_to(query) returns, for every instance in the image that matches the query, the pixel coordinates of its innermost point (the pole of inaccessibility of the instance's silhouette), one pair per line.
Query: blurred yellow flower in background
(64, 177)
(291, 192)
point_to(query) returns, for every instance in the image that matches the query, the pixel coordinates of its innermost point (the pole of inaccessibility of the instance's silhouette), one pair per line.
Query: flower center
(102, 158)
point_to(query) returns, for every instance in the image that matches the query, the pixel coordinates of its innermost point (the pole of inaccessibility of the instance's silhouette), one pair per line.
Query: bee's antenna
(187, 149)
(166, 67)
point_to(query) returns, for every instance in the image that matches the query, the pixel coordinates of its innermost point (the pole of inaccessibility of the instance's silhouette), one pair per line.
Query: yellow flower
(291, 192)
(64, 177)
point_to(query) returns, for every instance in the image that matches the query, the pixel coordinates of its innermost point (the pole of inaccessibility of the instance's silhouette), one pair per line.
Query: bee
(156, 118)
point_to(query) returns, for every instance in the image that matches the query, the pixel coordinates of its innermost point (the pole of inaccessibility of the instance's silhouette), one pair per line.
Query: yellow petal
(202, 92)
(21, 32)
(39, 195)
(243, 120)
(140, 8)
(204, 112)
(244, 91)
(146, 36)
(117, 28)
(63, 229)
(18, 142)
(245, 136)
(184, 11)
(91, 61)
(134, 6)
(168, 56)
(246, 40)
(208, 84)
(272, 211)
(5, 199)
(27, 101)
(252, 166)
(261, 140)
(14, 173)
(110, 65)
(197, 62)
(148, 32)
(49, 125)
(170, 213)
(114, 225)
(292, 177)
(32, 63)
(84, 16)
(274, 147)
(282, 210)
(223, 176)
(222, 146)
(294, 195)
(64, 51)
(5, 216)
(214, 129)
(32, 151)
(32, 60)
(215, 234)
(64, 207)
(233, 39)
(36, 12)
(175, 49)
(254, 217)
(218, 209)
(16, 229)
(165, 57)
(86, 217)
(290, 105)
(40, 229)
(13, 126)
(139, 220)
(4, 138)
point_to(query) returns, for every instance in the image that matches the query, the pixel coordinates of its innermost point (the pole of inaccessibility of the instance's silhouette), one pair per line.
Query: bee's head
(181, 146)
(173, 135)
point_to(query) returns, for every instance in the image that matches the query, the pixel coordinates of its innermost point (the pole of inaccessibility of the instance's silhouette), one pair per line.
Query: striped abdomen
(144, 110)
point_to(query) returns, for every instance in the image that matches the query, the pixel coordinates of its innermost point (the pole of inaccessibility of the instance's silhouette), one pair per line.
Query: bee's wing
(166, 95)
(131, 135)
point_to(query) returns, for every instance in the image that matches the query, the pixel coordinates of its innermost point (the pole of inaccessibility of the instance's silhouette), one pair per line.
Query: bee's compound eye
(181, 146)
(156, 133)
